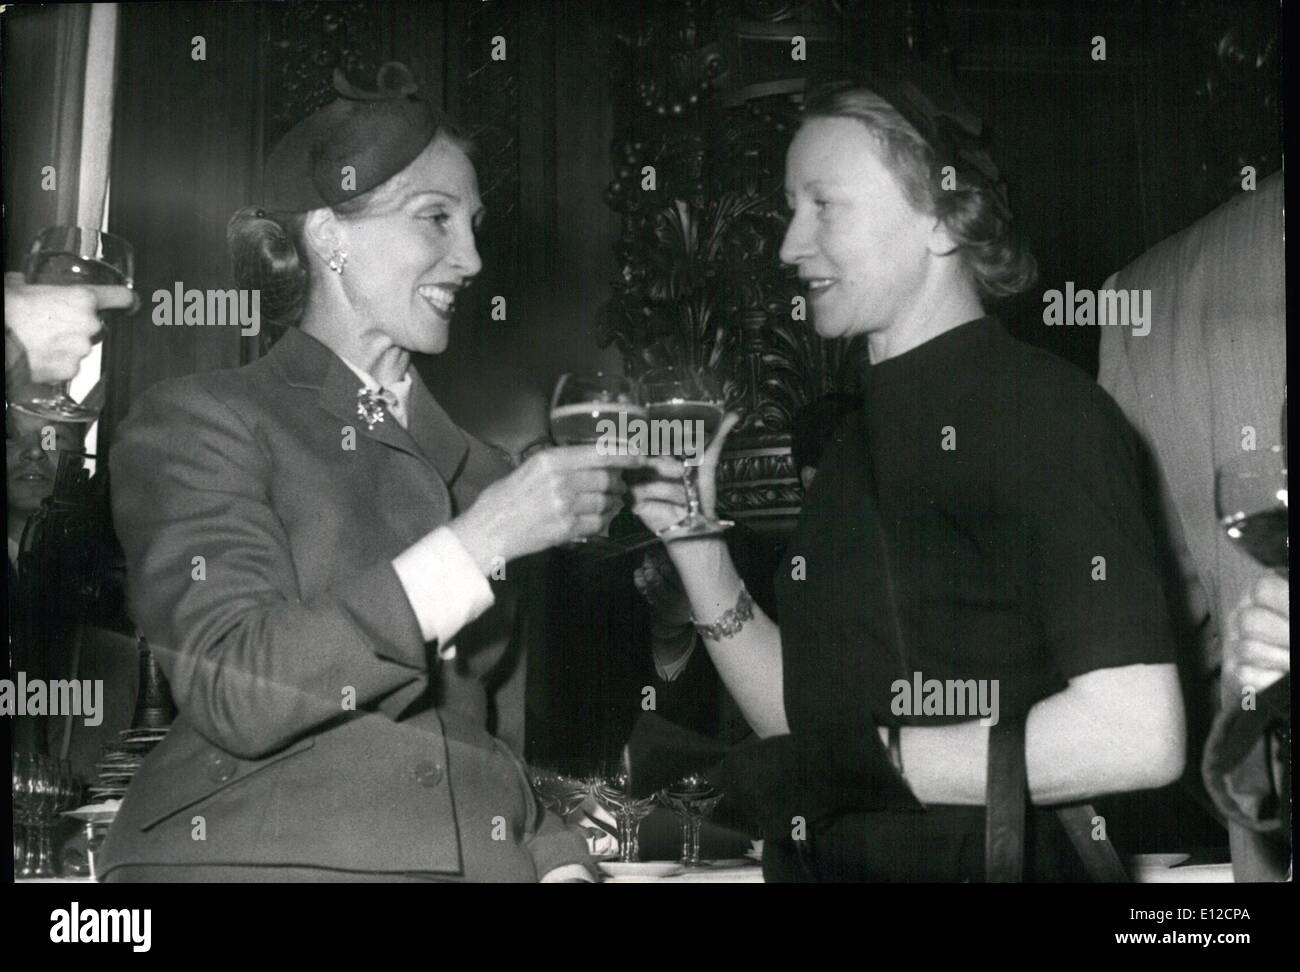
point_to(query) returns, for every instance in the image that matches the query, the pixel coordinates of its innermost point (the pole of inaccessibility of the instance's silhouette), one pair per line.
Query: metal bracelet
(731, 621)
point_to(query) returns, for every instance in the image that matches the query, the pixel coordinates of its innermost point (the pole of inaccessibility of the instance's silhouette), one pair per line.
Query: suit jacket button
(220, 767)
(427, 773)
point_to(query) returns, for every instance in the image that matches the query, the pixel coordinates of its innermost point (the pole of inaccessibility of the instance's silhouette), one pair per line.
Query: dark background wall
(191, 136)
(1103, 159)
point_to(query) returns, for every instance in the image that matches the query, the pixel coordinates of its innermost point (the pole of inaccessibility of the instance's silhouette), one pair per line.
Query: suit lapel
(433, 438)
(438, 437)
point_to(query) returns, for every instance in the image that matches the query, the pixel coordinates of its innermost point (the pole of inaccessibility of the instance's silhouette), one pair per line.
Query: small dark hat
(377, 133)
(925, 94)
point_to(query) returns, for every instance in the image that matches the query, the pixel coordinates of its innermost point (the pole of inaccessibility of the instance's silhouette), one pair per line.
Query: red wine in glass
(1251, 496)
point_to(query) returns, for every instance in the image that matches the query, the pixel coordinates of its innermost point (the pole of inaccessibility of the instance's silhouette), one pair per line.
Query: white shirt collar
(402, 389)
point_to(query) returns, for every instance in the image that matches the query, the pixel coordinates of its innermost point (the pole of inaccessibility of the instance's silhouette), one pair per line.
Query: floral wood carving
(698, 171)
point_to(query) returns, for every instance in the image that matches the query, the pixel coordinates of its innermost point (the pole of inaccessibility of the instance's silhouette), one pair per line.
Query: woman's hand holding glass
(662, 503)
(557, 496)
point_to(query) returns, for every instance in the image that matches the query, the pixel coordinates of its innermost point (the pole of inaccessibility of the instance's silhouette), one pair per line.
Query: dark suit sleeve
(249, 662)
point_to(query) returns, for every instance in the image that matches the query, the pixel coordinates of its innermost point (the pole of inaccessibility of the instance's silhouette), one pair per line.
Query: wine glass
(73, 255)
(586, 409)
(581, 403)
(1251, 500)
(609, 788)
(685, 410)
(558, 793)
(24, 785)
(42, 789)
(692, 798)
(54, 788)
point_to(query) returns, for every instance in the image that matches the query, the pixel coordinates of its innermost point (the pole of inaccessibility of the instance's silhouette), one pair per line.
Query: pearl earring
(338, 261)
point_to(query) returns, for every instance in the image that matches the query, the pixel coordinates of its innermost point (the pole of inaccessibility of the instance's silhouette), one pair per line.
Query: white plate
(639, 869)
(1159, 860)
(1187, 874)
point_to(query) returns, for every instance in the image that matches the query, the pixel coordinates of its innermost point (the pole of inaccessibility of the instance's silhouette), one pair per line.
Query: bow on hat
(393, 81)
(355, 143)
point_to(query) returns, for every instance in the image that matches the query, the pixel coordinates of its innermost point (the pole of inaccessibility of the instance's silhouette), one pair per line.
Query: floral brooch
(371, 406)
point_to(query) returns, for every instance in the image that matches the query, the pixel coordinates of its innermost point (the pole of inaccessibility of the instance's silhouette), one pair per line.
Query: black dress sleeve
(1098, 586)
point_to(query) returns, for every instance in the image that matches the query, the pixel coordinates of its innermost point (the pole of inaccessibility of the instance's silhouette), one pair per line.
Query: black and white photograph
(628, 442)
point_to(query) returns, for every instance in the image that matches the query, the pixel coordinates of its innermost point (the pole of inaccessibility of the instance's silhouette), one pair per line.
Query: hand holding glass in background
(73, 256)
(1250, 494)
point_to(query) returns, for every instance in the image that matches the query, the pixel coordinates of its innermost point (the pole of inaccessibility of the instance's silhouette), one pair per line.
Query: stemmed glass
(43, 788)
(24, 786)
(609, 787)
(692, 798)
(1251, 500)
(690, 399)
(581, 407)
(558, 793)
(73, 255)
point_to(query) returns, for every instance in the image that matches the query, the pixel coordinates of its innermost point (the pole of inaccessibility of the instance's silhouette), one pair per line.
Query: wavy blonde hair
(999, 263)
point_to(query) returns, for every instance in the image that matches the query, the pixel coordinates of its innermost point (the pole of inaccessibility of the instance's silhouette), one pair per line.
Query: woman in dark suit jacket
(323, 562)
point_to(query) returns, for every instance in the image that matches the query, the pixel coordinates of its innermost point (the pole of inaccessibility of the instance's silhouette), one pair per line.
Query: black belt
(1007, 796)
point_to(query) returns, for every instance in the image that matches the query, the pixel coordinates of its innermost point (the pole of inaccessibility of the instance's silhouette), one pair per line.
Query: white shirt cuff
(444, 585)
(568, 872)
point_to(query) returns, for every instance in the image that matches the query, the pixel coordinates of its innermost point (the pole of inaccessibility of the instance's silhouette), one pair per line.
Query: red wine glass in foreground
(73, 256)
(685, 411)
(1251, 499)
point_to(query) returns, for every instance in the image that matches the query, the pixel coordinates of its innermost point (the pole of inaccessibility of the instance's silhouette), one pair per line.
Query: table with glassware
(46, 793)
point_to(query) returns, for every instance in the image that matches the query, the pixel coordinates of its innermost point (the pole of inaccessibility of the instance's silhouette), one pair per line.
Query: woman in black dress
(976, 526)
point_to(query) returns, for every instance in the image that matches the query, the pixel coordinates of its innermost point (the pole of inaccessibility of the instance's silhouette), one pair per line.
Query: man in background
(1207, 381)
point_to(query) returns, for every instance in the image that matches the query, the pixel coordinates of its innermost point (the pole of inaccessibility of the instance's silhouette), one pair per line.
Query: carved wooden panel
(706, 100)
(305, 42)
(706, 94)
